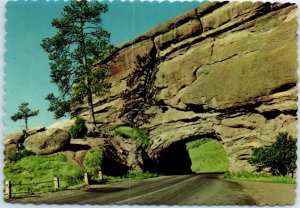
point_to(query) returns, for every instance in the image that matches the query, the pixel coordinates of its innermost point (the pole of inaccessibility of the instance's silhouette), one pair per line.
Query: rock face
(223, 70)
(14, 138)
(47, 142)
(64, 124)
(122, 155)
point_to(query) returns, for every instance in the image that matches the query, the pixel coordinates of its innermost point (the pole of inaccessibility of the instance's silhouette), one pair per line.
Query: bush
(93, 161)
(280, 157)
(140, 136)
(14, 157)
(78, 129)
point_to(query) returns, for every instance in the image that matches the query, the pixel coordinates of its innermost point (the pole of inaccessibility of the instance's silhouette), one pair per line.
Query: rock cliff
(223, 70)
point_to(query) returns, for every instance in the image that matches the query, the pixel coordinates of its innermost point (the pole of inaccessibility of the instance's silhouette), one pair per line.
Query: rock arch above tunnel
(228, 69)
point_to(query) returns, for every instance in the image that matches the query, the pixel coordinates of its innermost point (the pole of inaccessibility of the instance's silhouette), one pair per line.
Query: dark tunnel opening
(176, 159)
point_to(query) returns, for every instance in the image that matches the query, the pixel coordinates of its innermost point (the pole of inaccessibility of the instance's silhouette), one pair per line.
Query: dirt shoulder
(270, 193)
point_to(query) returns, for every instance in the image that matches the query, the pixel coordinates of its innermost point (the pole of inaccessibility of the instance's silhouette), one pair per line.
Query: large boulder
(14, 138)
(47, 142)
(76, 158)
(14, 142)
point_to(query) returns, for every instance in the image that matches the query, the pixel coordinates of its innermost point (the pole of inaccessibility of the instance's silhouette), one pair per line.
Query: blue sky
(27, 67)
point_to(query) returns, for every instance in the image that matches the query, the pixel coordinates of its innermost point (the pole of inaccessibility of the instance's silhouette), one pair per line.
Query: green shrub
(78, 129)
(14, 157)
(140, 136)
(93, 161)
(280, 157)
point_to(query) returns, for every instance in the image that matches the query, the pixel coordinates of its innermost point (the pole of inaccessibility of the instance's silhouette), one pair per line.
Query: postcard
(150, 103)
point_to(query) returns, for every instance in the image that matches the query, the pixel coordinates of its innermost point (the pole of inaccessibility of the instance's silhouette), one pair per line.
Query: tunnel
(176, 159)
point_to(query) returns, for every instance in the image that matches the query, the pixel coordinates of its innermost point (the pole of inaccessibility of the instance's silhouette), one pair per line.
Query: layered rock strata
(223, 70)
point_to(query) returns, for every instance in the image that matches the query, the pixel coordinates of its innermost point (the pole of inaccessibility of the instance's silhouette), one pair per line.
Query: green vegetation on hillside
(15, 156)
(140, 136)
(33, 174)
(93, 161)
(207, 155)
(38, 169)
(259, 177)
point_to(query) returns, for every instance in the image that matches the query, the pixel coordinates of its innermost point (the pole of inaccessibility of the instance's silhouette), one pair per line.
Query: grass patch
(132, 175)
(197, 143)
(259, 177)
(38, 169)
(93, 161)
(140, 136)
(207, 155)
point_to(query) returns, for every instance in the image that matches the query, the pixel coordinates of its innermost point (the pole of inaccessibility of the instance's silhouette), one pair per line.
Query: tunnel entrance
(193, 155)
(174, 160)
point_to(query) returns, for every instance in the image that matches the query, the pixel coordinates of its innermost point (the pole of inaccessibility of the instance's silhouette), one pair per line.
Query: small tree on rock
(280, 157)
(24, 113)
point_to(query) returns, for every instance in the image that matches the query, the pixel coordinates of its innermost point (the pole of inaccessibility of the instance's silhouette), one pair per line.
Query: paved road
(181, 189)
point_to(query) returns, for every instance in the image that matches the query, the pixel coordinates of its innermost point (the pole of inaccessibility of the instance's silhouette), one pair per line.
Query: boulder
(14, 138)
(35, 130)
(75, 157)
(10, 149)
(47, 142)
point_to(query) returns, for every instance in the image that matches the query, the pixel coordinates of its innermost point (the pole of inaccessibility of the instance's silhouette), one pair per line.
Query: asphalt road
(180, 189)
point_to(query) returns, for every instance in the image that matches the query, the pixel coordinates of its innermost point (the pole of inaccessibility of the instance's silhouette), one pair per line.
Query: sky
(27, 72)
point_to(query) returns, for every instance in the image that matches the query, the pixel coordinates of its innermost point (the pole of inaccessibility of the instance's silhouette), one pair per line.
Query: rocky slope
(223, 70)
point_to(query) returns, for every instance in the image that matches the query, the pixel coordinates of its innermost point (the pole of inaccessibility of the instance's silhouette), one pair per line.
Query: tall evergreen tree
(24, 113)
(79, 41)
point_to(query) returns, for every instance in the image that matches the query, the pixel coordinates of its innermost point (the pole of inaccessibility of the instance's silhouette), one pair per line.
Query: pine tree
(24, 113)
(80, 41)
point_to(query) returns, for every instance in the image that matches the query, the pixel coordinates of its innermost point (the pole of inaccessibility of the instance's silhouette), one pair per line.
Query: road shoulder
(269, 193)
